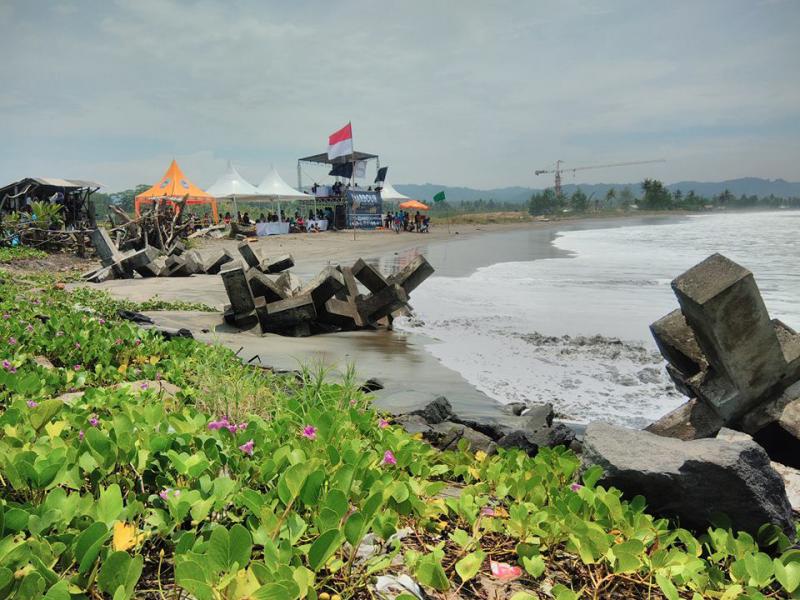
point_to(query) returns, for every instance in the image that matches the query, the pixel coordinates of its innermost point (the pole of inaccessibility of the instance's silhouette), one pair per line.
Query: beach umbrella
(414, 205)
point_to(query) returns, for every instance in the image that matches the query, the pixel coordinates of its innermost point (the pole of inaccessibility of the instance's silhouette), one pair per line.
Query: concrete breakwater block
(331, 301)
(739, 368)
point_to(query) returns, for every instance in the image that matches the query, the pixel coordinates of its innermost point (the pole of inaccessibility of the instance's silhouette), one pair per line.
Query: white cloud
(474, 94)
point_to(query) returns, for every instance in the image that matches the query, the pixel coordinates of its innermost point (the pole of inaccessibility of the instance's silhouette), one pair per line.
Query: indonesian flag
(340, 143)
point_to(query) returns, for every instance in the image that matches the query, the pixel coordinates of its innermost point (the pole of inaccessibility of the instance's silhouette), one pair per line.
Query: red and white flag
(340, 143)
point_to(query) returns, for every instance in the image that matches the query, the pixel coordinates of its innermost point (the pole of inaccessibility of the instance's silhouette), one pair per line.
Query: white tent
(389, 193)
(232, 185)
(274, 188)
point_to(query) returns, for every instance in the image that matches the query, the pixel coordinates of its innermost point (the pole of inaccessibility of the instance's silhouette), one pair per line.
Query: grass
(242, 483)
(15, 253)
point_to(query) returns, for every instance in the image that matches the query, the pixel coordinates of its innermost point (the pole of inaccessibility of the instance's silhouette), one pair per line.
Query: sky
(468, 93)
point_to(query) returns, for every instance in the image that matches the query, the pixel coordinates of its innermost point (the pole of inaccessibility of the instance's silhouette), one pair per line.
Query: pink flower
(101, 321)
(232, 427)
(353, 402)
(504, 570)
(144, 385)
(77, 345)
(118, 342)
(29, 328)
(6, 316)
(247, 448)
(163, 493)
(36, 302)
(6, 365)
(383, 423)
(487, 511)
(310, 432)
(575, 487)
(77, 367)
(388, 458)
(32, 404)
(81, 434)
(94, 421)
(215, 425)
(137, 342)
(12, 341)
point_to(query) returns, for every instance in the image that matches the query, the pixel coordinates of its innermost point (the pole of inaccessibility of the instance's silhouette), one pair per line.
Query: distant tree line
(653, 196)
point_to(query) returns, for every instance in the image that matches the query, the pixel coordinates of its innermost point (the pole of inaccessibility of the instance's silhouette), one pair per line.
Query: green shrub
(246, 484)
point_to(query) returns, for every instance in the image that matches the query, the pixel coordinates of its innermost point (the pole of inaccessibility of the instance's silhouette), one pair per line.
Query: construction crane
(558, 170)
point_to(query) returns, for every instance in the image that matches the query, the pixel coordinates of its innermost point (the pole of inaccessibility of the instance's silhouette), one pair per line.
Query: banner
(364, 209)
(360, 169)
(381, 176)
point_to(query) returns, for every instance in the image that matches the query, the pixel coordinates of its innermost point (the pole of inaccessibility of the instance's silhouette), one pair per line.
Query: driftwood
(159, 226)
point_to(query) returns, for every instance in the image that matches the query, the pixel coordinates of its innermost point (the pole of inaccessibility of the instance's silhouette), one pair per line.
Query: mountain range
(517, 195)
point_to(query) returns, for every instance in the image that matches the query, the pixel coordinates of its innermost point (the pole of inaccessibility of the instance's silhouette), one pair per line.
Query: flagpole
(352, 173)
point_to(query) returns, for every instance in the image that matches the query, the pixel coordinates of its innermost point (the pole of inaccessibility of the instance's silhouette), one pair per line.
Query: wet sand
(409, 374)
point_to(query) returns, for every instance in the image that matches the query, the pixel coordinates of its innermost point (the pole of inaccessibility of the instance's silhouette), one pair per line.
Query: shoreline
(402, 359)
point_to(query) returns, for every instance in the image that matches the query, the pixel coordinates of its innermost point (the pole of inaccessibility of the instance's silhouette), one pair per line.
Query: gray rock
(518, 439)
(545, 437)
(691, 480)
(690, 421)
(791, 480)
(413, 424)
(373, 384)
(436, 411)
(731, 435)
(447, 434)
(540, 413)
(514, 408)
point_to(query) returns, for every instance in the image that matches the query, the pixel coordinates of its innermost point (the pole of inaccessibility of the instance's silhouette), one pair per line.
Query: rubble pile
(262, 292)
(175, 261)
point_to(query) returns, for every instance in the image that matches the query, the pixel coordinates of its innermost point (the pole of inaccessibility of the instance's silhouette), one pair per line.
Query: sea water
(562, 315)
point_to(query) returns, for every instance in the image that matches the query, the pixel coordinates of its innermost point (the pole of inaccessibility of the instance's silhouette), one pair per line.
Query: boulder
(413, 424)
(692, 480)
(373, 384)
(436, 411)
(447, 434)
(690, 421)
(519, 439)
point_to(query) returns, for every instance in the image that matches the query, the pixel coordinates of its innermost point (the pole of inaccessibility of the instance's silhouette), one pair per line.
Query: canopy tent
(275, 189)
(173, 186)
(232, 185)
(389, 193)
(414, 205)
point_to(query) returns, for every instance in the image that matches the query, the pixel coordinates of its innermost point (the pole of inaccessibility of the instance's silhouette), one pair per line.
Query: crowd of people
(339, 188)
(297, 223)
(403, 221)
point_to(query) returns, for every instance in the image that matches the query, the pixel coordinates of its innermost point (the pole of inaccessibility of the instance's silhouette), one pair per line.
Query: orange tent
(173, 186)
(414, 205)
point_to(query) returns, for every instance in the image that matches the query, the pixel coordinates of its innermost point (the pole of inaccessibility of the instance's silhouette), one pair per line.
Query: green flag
(439, 197)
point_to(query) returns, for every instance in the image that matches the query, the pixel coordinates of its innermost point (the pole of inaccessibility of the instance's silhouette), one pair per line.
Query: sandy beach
(401, 359)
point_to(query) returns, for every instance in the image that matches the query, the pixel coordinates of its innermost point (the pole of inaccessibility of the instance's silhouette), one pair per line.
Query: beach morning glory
(388, 458)
(32, 404)
(383, 423)
(94, 421)
(247, 448)
(575, 487)
(310, 432)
